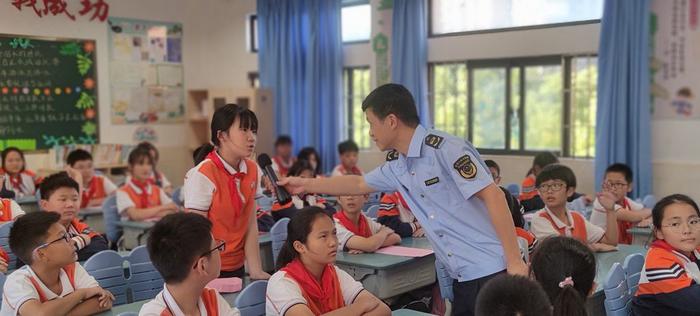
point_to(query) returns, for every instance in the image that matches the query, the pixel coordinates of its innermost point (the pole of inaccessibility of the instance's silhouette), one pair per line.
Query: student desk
(408, 312)
(387, 276)
(29, 203)
(641, 236)
(266, 258)
(605, 261)
(135, 233)
(93, 217)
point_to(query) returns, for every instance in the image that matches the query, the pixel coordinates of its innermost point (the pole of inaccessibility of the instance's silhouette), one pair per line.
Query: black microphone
(283, 197)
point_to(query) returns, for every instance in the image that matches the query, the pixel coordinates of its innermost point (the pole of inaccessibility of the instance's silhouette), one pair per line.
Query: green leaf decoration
(85, 101)
(51, 141)
(70, 49)
(89, 128)
(89, 139)
(84, 64)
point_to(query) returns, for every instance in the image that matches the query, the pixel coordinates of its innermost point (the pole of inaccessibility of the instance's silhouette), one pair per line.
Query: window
(455, 16)
(520, 105)
(356, 21)
(356, 83)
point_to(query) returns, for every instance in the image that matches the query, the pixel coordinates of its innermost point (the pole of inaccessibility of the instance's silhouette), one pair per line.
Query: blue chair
(617, 296)
(5, 244)
(110, 214)
(278, 235)
(372, 211)
(578, 205)
(374, 198)
(177, 197)
(649, 201)
(145, 282)
(514, 189)
(107, 267)
(3, 278)
(633, 266)
(264, 202)
(251, 301)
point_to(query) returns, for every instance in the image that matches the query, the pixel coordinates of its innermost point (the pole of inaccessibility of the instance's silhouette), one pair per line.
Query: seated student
(138, 200)
(512, 295)
(51, 283)
(557, 182)
(9, 210)
(307, 281)
(395, 214)
(96, 188)
(348, 152)
(618, 180)
(358, 233)
(670, 280)
(283, 158)
(187, 256)
(529, 197)
(311, 155)
(566, 269)
(59, 194)
(157, 178)
(303, 169)
(17, 177)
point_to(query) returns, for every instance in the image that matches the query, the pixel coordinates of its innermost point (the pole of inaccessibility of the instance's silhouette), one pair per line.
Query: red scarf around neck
(362, 229)
(321, 297)
(235, 196)
(143, 186)
(90, 192)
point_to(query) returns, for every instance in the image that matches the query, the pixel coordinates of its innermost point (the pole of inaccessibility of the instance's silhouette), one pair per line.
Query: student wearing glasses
(183, 250)
(51, 283)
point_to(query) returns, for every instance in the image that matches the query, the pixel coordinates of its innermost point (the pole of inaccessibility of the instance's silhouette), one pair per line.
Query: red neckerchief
(142, 185)
(89, 193)
(361, 230)
(235, 196)
(16, 181)
(326, 296)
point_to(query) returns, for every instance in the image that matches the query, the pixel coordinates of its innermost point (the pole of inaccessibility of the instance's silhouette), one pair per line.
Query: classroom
(349, 157)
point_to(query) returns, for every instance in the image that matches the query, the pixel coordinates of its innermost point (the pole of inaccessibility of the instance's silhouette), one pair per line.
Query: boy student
(138, 199)
(618, 180)
(529, 198)
(60, 195)
(358, 233)
(395, 214)
(186, 254)
(283, 158)
(51, 283)
(555, 184)
(348, 152)
(446, 185)
(95, 187)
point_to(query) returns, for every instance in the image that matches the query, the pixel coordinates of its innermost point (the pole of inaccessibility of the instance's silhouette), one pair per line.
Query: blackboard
(48, 92)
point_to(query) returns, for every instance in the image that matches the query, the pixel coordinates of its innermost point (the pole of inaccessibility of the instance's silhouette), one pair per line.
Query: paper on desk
(405, 251)
(226, 285)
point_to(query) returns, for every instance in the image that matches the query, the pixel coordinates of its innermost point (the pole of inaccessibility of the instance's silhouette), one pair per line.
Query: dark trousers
(465, 294)
(233, 274)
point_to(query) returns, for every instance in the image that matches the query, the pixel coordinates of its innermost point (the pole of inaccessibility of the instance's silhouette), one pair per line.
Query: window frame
(355, 3)
(349, 127)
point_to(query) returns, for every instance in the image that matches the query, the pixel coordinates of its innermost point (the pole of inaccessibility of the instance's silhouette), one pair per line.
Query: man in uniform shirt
(445, 183)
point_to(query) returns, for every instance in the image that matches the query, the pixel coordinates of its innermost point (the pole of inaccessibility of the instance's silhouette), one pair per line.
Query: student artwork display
(675, 41)
(146, 73)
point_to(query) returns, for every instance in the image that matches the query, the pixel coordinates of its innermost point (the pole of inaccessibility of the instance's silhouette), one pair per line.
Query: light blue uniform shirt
(438, 179)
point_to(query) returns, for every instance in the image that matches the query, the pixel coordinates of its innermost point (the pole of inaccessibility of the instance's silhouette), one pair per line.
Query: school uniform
(23, 285)
(9, 210)
(23, 184)
(528, 188)
(294, 285)
(346, 229)
(529, 237)
(395, 214)
(598, 218)
(156, 178)
(545, 224)
(228, 198)
(210, 303)
(85, 250)
(298, 202)
(668, 284)
(281, 166)
(140, 195)
(340, 170)
(99, 187)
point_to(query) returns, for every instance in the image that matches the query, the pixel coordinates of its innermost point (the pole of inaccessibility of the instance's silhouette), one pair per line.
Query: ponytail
(201, 153)
(569, 303)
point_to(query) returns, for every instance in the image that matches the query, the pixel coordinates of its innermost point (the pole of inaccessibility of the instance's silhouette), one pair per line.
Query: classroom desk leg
(595, 304)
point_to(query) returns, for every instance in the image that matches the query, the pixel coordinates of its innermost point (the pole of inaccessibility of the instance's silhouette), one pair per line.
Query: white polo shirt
(165, 301)
(344, 234)
(598, 217)
(542, 228)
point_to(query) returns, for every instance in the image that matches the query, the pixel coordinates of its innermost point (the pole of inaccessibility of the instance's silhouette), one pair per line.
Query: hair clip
(567, 281)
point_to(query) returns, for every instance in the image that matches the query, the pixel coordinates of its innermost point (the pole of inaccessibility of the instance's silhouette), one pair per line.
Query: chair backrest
(514, 189)
(177, 197)
(633, 266)
(5, 244)
(251, 301)
(3, 277)
(617, 297)
(372, 211)
(649, 201)
(524, 249)
(374, 197)
(144, 280)
(264, 202)
(444, 281)
(278, 235)
(37, 195)
(578, 205)
(111, 218)
(107, 267)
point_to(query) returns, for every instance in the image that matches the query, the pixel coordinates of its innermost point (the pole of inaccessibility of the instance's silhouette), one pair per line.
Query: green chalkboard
(48, 92)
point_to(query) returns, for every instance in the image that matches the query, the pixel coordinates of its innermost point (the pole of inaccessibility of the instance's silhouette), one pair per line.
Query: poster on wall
(675, 41)
(146, 75)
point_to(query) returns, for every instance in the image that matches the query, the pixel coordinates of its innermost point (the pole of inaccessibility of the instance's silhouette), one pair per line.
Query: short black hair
(305, 154)
(283, 140)
(300, 166)
(78, 155)
(139, 154)
(511, 295)
(557, 172)
(55, 182)
(392, 98)
(348, 146)
(176, 241)
(29, 231)
(621, 168)
(544, 159)
(492, 164)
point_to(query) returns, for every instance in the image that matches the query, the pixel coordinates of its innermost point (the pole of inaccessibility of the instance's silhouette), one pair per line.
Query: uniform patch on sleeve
(392, 155)
(434, 141)
(465, 167)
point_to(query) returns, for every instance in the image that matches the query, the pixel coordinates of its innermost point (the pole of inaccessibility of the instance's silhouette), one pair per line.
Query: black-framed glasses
(220, 246)
(614, 185)
(554, 187)
(66, 237)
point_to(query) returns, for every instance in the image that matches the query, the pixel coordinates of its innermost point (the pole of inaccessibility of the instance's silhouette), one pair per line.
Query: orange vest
(95, 191)
(5, 210)
(225, 226)
(153, 198)
(528, 188)
(83, 228)
(211, 303)
(623, 226)
(528, 236)
(70, 271)
(579, 226)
